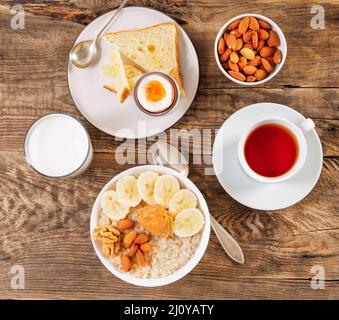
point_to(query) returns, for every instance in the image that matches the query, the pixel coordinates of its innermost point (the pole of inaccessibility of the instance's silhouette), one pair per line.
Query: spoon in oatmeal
(166, 155)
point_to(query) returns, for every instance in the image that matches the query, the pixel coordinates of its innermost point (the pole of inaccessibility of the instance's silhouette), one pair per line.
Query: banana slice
(188, 222)
(112, 208)
(127, 191)
(146, 183)
(183, 199)
(165, 188)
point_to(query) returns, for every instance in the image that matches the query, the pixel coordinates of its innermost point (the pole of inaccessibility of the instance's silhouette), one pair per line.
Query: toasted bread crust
(181, 80)
(110, 88)
(140, 30)
(124, 95)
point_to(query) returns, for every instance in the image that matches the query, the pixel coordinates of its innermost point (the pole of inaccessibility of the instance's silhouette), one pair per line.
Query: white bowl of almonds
(150, 226)
(250, 49)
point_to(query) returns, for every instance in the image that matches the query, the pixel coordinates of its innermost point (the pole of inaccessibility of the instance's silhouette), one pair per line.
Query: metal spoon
(84, 53)
(166, 155)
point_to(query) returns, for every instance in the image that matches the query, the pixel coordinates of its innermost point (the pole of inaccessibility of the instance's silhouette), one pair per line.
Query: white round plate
(246, 190)
(202, 205)
(101, 107)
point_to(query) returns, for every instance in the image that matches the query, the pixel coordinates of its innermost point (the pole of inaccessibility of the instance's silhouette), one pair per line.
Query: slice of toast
(132, 74)
(117, 71)
(154, 49)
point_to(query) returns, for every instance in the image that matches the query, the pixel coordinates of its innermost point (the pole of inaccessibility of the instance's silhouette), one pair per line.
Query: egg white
(158, 106)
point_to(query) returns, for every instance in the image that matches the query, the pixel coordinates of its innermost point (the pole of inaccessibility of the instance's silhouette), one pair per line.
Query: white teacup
(298, 132)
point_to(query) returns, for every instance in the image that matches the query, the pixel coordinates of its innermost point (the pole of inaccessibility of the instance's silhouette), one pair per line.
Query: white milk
(57, 145)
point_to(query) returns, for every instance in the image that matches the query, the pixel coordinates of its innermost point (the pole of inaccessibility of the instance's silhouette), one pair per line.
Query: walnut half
(109, 238)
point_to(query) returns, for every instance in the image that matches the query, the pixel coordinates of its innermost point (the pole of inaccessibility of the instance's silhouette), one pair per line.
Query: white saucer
(101, 107)
(244, 189)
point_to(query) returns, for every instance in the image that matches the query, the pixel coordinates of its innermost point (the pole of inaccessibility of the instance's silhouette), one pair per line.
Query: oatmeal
(159, 228)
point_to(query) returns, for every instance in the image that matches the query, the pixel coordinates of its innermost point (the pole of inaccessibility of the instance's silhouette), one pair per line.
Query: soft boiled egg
(156, 93)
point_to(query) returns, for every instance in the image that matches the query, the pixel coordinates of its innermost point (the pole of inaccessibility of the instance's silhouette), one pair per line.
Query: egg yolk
(155, 91)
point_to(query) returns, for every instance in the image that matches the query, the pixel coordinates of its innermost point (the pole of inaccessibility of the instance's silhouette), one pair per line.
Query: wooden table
(44, 224)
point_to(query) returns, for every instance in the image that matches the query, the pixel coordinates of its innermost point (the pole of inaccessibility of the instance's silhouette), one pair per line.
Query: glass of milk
(58, 146)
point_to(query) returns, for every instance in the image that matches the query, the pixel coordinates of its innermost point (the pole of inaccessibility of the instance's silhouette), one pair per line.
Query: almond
(256, 61)
(267, 52)
(263, 34)
(255, 39)
(237, 75)
(234, 57)
(242, 63)
(247, 53)
(225, 55)
(126, 263)
(231, 41)
(129, 238)
(277, 57)
(261, 44)
(133, 250)
(267, 66)
(140, 258)
(236, 33)
(273, 40)
(254, 24)
(125, 224)
(270, 60)
(248, 45)
(250, 70)
(146, 247)
(141, 238)
(264, 25)
(240, 43)
(225, 66)
(243, 25)
(221, 46)
(260, 74)
(251, 79)
(234, 25)
(225, 36)
(233, 66)
(247, 36)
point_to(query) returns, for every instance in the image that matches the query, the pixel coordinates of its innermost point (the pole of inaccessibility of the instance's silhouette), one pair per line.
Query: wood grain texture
(44, 223)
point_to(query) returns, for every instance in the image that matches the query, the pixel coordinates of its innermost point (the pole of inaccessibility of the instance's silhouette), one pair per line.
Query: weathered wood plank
(100, 284)
(24, 104)
(306, 65)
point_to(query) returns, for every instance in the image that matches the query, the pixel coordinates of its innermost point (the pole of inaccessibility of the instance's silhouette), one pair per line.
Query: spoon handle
(160, 153)
(231, 247)
(111, 19)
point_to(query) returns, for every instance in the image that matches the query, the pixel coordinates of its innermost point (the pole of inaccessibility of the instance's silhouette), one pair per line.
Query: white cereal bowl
(202, 205)
(282, 48)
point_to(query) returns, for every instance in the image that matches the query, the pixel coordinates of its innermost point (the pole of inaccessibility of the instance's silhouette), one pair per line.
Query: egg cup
(175, 90)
